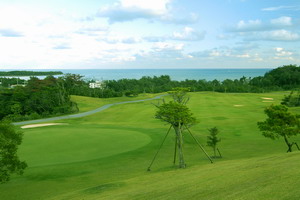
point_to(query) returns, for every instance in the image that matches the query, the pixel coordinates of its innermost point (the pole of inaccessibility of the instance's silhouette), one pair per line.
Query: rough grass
(105, 155)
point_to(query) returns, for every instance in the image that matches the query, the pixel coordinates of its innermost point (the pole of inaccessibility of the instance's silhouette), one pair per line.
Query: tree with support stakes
(280, 123)
(212, 140)
(179, 116)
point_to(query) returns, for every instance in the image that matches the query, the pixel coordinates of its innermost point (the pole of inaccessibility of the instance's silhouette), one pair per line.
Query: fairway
(105, 155)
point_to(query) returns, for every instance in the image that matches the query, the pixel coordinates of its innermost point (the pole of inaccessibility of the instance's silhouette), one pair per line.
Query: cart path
(84, 113)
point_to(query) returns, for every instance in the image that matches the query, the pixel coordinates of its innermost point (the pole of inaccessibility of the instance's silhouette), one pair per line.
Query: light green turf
(77, 143)
(88, 103)
(106, 155)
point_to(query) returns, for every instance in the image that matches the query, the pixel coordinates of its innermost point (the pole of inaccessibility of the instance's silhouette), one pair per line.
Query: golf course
(105, 155)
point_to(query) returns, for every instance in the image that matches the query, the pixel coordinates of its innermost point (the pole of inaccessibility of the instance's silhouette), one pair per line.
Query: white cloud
(127, 10)
(243, 55)
(189, 34)
(295, 8)
(282, 21)
(258, 25)
(159, 46)
(282, 54)
(122, 39)
(280, 35)
(249, 26)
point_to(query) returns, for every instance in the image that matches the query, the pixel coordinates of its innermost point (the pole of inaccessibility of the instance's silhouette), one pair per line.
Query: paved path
(82, 114)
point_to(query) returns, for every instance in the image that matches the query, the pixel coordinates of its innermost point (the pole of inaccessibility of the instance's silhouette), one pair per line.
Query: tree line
(282, 78)
(38, 99)
(29, 73)
(51, 96)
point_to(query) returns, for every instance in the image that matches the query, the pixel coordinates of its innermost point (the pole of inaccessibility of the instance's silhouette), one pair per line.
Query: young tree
(178, 116)
(9, 161)
(280, 123)
(212, 139)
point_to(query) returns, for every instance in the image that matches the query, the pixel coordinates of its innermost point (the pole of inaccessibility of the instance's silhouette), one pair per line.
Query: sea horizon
(178, 74)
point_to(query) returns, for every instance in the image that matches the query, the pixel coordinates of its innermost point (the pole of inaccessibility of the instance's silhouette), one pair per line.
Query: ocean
(175, 74)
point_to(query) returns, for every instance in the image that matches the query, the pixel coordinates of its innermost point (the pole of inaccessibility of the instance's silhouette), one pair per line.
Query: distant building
(20, 85)
(97, 84)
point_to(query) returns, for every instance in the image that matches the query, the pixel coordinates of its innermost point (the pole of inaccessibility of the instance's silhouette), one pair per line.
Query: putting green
(73, 143)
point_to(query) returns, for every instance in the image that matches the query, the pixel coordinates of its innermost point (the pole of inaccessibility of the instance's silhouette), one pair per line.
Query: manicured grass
(105, 155)
(77, 143)
(267, 178)
(88, 103)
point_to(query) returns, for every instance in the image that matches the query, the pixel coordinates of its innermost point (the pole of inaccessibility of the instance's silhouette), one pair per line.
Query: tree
(280, 123)
(212, 139)
(178, 116)
(9, 161)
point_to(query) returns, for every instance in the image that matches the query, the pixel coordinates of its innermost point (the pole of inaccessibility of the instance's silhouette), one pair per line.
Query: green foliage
(280, 123)
(287, 76)
(9, 161)
(39, 98)
(212, 139)
(291, 100)
(175, 113)
(179, 95)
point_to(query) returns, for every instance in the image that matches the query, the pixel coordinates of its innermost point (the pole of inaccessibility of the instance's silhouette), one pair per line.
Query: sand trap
(41, 125)
(266, 98)
(238, 105)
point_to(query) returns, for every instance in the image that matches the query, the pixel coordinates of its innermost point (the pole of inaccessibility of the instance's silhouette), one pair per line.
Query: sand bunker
(266, 98)
(41, 125)
(238, 105)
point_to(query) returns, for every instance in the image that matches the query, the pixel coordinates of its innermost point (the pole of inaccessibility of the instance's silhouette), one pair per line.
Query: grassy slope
(79, 161)
(268, 178)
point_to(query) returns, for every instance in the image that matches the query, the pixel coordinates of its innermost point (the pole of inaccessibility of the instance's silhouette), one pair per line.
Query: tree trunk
(180, 146)
(288, 144)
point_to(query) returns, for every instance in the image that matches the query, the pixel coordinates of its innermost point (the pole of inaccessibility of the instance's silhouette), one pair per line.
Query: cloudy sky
(149, 33)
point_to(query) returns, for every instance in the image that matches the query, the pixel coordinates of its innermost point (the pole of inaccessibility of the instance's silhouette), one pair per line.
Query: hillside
(105, 155)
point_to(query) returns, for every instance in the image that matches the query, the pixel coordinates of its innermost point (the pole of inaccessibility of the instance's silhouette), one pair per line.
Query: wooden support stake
(219, 152)
(175, 151)
(199, 145)
(149, 168)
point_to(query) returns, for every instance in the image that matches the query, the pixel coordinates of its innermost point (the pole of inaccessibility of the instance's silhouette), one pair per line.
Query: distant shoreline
(28, 73)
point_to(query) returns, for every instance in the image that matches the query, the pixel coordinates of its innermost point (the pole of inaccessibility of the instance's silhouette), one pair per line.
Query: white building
(97, 84)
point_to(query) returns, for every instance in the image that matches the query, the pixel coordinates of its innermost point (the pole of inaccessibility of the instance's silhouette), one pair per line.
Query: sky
(121, 34)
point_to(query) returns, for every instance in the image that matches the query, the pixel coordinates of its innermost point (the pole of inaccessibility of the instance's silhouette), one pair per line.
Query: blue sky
(89, 34)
